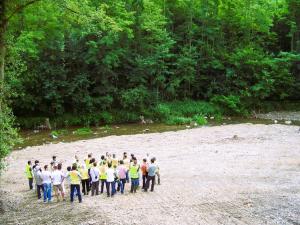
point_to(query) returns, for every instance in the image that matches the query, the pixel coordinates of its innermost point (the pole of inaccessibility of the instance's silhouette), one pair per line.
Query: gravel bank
(209, 176)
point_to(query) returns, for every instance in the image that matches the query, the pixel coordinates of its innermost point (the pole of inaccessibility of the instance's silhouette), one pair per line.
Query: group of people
(92, 176)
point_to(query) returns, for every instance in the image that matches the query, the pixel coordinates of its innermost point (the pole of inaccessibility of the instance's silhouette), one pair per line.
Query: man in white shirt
(110, 180)
(46, 177)
(95, 173)
(57, 179)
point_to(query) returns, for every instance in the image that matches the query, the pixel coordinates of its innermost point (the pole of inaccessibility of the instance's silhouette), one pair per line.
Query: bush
(83, 131)
(200, 120)
(106, 117)
(177, 120)
(161, 112)
(189, 108)
(230, 104)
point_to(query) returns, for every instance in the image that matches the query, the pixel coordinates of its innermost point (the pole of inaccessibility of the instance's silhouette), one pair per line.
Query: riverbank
(231, 174)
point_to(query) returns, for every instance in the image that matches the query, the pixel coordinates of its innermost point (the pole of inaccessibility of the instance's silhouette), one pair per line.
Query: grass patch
(83, 131)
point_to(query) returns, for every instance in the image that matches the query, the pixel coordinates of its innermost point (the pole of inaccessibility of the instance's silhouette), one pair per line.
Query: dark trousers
(95, 188)
(134, 184)
(85, 186)
(144, 180)
(110, 185)
(30, 182)
(122, 183)
(38, 189)
(152, 179)
(77, 188)
(103, 181)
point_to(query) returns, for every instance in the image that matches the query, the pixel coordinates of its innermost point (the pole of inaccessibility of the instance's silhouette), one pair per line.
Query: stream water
(34, 138)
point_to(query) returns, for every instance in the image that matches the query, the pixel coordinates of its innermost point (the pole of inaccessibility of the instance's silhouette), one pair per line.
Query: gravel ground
(233, 174)
(284, 115)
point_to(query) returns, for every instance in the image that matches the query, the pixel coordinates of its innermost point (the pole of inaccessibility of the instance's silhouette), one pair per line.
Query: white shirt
(57, 177)
(110, 172)
(46, 176)
(95, 174)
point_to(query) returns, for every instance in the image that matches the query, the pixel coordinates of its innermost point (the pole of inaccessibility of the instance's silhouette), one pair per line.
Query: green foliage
(100, 62)
(83, 131)
(9, 135)
(200, 120)
(229, 104)
(178, 120)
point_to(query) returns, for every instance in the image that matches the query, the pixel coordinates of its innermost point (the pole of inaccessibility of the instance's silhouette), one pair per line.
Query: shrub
(106, 117)
(177, 120)
(200, 120)
(161, 112)
(83, 131)
(230, 104)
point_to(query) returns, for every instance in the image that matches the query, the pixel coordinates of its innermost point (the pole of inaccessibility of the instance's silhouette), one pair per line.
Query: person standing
(29, 175)
(103, 175)
(110, 181)
(151, 175)
(75, 178)
(85, 179)
(144, 168)
(122, 171)
(94, 172)
(38, 181)
(46, 177)
(57, 179)
(134, 175)
(127, 165)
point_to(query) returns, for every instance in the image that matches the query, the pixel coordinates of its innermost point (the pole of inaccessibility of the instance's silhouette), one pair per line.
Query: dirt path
(208, 177)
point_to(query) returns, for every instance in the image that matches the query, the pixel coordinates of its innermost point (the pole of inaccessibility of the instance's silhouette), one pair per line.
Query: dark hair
(90, 155)
(134, 158)
(69, 168)
(153, 160)
(59, 166)
(144, 160)
(95, 164)
(114, 155)
(109, 165)
(36, 161)
(102, 157)
(124, 153)
(46, 167)
(121, 162)
(29, 162)
(54, 157)
(74, 167)
(92, 160)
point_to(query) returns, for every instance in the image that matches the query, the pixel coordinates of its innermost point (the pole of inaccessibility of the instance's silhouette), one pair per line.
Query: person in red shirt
(144, 168)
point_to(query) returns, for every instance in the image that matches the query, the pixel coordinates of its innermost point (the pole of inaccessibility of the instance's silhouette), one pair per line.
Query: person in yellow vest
(103, 176)
(127, 165)
(114, 161)
(85, 181)
(75, 179)
(134, 175)
(29, 175)
(87, 161)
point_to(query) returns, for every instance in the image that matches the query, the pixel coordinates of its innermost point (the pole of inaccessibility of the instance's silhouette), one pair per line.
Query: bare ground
(208, 177)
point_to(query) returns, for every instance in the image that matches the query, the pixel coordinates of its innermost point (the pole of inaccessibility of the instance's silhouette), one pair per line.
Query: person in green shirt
(29, 175)
(134, 175)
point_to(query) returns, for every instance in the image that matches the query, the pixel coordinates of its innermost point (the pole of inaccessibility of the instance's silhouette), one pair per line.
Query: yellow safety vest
(84, 173)
(134, 171)
(87, 163)
(28, 171)
(114, 162)
(103, 175)
(74, 177)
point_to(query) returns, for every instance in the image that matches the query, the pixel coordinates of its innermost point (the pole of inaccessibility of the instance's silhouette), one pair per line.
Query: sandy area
(208, 177)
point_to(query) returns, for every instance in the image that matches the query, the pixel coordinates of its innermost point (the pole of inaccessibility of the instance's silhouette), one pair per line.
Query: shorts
(58, 187)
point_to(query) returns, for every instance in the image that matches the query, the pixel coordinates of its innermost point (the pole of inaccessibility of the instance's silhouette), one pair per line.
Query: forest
(81, 62)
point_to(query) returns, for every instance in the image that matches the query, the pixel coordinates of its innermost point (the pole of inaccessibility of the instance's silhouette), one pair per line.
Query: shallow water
(34, 138)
